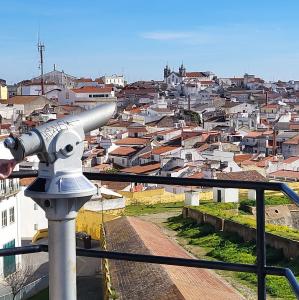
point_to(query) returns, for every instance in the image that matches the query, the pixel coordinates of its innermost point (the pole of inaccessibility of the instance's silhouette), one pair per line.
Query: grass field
(137, 210)
(231, 248)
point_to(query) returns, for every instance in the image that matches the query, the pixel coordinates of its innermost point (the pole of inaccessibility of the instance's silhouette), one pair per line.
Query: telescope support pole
(62, 260)
(61, 214)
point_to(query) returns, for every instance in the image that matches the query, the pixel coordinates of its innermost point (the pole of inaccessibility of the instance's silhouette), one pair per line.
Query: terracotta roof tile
(143, 169)
(238, 158)
(123, 151)
(250, 175)
(285, 174)
(195, 74)
(291, 159)
(24, 99)
(132, 141)
(27, 181)
(164, 149)
(292, 141)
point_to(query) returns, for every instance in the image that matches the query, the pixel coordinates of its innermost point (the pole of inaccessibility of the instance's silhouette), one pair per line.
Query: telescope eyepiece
(10, 143)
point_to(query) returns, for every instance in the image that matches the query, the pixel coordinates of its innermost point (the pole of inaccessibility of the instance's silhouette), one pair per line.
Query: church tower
(166, 71)
(182, 70)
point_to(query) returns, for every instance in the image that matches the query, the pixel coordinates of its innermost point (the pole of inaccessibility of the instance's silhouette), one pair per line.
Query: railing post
(260, 244)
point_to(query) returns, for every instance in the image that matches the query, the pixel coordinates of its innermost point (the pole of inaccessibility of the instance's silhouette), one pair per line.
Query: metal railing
(261, 269)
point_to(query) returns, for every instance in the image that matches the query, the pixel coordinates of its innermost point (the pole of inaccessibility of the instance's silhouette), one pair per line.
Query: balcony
(261, 269)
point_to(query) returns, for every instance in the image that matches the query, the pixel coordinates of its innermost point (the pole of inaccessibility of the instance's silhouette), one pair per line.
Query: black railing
(260, 268)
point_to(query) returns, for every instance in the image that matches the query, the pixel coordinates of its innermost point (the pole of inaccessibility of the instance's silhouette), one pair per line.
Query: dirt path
(193, 283)
(160, 219)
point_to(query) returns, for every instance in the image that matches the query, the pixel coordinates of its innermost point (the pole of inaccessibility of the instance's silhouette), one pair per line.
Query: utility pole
(41, 49)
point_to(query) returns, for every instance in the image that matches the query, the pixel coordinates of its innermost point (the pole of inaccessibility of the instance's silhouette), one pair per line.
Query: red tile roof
(238, 158)
(271, 106)
(26, 181)
(137, 129)
(123, 151)
(133, 141)
(84, 80)
(146, 155)
(195, 74)
(292, 141)
(285, 174)
(164, 149)
(143, 169)
(291, 159)
(250, 175)
(256, 134)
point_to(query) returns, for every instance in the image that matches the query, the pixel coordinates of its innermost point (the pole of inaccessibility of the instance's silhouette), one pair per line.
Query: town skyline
(229, 41)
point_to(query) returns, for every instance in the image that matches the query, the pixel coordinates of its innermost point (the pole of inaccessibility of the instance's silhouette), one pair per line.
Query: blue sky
(90, 38)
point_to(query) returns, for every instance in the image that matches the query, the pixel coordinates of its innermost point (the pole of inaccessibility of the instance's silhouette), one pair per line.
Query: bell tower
(166, 71)
(182, 70)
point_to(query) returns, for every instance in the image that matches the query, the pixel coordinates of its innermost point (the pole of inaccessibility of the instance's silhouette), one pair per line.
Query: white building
(20, 218)
(32, 217)
(89, 96)
(34, 88)
(9, 212)
(173, 78)
(118, 80)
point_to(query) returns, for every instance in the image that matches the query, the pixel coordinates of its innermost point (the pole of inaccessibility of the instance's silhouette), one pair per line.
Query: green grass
(42, 295)
(269, 200)
(230, 211)
(141, 209)
(231, 248)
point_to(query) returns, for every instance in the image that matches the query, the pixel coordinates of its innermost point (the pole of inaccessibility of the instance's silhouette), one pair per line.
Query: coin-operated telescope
(61, 188)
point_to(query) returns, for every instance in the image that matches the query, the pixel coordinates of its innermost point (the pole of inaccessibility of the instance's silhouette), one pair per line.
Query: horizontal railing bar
(23, 250)
(274, 186)
(165, 260)
(24, 174)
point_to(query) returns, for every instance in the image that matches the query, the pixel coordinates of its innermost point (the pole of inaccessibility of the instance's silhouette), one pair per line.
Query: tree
(19, 279)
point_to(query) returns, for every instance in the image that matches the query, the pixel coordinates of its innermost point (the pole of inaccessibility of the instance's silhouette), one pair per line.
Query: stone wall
(289, 247)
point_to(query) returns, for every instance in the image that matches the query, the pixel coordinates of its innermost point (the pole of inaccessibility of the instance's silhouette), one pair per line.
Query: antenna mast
(41, 49)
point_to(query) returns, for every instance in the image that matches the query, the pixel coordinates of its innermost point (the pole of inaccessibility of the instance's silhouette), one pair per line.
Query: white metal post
(62, 260)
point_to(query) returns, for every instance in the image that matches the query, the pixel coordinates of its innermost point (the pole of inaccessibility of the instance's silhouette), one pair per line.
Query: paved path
(193, 283)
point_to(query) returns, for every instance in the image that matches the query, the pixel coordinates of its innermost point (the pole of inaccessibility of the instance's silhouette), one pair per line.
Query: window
(2, 185)
(35, 207)
(10, 184)
(189, 156)
(4, 218)
(12, 215)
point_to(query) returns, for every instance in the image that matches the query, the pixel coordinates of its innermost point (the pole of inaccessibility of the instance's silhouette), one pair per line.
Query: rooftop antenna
(41, 49)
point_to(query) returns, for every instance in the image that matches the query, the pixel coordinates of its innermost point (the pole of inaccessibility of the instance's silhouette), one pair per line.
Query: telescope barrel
(32, 142)
(97, 117)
